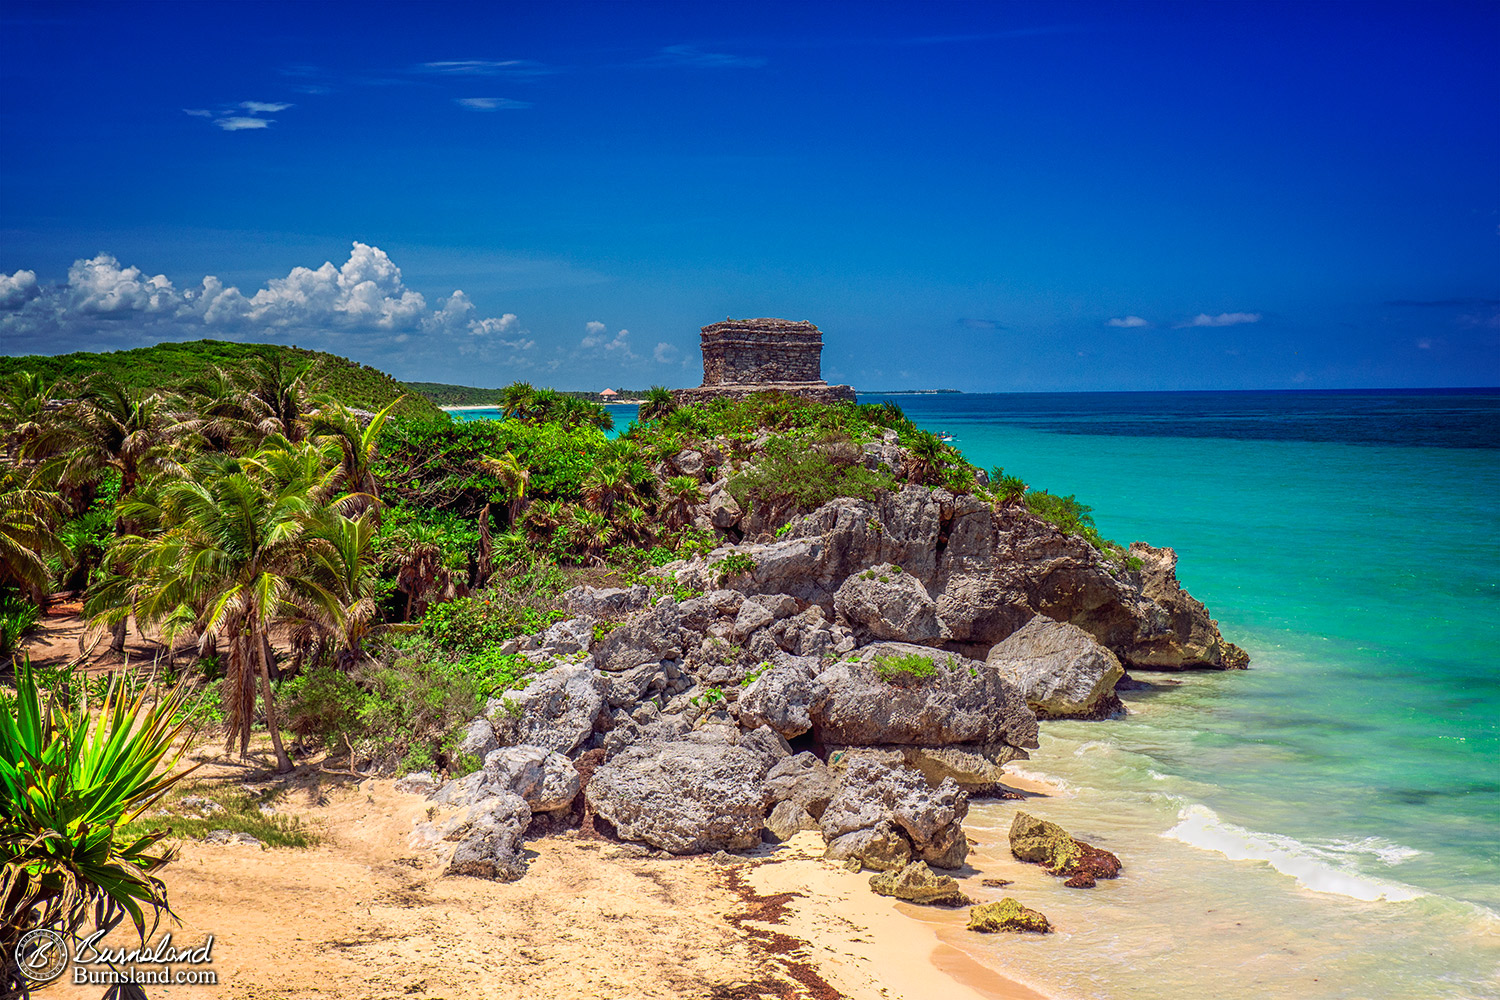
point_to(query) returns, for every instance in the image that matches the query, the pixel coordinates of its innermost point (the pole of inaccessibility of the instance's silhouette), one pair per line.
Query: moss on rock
(1007, 915)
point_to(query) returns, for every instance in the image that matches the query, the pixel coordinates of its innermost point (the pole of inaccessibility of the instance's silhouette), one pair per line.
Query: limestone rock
(881, 847)
(872, 792)
(723, 510)
(489, 840)
(1060, 669)
(565, 638)
(803, 780)
(556, 710)
(544, 778)
(1052, 847)
(885, 602)
(478, 739)
(917, 883)
(606, 602)
(691, 794)
(1007, 915)
(1187, 636)
(787, 819)
(783, 696)
(904, 694)
(647, 636)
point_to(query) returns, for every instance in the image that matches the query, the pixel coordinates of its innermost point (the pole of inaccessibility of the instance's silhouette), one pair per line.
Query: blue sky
(989, 197)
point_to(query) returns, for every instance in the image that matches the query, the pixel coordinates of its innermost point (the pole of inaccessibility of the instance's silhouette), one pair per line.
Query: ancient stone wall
(761, 351)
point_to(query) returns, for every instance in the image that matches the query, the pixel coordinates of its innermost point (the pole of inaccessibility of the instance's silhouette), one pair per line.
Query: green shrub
(732, 565)
(791, 478)
(905, 669)
(473, 624)
(1070, 517)
(17, 617)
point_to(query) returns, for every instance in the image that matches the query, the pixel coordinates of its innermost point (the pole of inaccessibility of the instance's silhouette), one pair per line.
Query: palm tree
(513, 479)
(110, 427)
(25, 399)
(276, 391)
(27, 537)
(517, 400)
(683, 493)
(926, 459)
(221, 416)
(659, 403)
(358, 445)
(241, 545)
(346, 567)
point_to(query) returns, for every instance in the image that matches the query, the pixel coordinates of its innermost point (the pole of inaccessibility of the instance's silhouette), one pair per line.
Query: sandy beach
(366, 913)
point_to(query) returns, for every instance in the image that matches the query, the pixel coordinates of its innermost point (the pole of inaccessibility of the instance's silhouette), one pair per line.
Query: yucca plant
(69, 779)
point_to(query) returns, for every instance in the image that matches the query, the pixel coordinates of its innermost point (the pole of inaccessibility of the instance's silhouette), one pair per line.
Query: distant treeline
(171, 365)
(444, 394)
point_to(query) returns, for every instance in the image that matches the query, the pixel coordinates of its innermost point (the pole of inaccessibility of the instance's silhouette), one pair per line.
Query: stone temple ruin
(744, 356)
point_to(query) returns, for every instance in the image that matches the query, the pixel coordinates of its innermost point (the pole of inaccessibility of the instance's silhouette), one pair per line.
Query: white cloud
(364, 295)
(198, 112)
(664, 353)
(236, 123)
(1223, 319)
(18, 289)
(490, 103)
(595, 338)
(693, 57)
(1127, 322)
(484, 67)
(101, 287)
(263, 107)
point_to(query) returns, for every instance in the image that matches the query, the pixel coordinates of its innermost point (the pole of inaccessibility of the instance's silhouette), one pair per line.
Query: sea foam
(1326, 868)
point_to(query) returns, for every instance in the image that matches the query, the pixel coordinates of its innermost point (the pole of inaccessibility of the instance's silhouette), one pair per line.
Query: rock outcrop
(986, 571)
(1061, 670)
(884, 816)
(703, 791)
(918, 696)
(917, 883)
(1007, 915)
(1056, 850)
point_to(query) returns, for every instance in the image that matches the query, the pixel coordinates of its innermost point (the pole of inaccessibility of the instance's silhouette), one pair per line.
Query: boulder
(544, 778)
(723, 510)
(645, 637)
(803, 780)
(882, 847)
(885, 602)
(606, 602)
(556, 710)
(565, 638)
(696, 793)
(787, 819)
(1056, 850)
(872, 792)
(914, 695)
(1007, 915)
(917, 883)
(478, 739)
(782, 696)
(489, 840)
(1061, 670)
(626, 688)
(753, 615)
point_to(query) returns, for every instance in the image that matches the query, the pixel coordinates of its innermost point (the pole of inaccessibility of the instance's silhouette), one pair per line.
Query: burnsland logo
(42, 955)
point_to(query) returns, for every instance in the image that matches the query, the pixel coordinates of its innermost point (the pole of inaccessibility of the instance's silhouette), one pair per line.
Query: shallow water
(1326, 824)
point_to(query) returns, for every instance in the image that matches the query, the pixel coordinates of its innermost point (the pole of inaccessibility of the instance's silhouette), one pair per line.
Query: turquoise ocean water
(1327, 823)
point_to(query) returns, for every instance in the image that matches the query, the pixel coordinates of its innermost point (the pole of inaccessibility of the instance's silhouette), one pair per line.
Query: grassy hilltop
(169, 365)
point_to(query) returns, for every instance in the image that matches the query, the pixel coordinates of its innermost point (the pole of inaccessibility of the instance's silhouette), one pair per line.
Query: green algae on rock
(1007, 915)
(1056, 850)
(916, 883)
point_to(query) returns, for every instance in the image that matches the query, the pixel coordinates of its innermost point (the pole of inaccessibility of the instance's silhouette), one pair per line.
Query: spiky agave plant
(69, 781)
